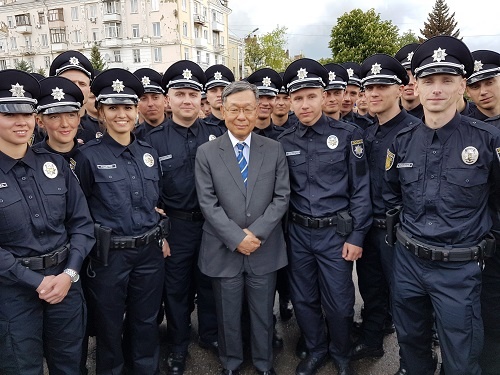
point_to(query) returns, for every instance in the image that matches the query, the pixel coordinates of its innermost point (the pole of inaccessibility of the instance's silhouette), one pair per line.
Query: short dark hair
(239, 86)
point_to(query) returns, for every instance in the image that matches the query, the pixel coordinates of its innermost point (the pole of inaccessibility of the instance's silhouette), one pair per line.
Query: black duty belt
(42, 262)
(443, 254)
(313, 222)
(129, 242)
(379, 223)
(183, 215)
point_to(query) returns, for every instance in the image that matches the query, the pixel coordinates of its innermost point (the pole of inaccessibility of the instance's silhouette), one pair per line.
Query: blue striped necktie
(242, 162)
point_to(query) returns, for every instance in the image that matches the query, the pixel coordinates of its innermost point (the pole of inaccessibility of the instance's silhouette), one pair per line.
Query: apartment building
(130, 34)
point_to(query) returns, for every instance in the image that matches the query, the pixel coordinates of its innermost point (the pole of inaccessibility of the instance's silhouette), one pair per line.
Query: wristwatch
(74, 276)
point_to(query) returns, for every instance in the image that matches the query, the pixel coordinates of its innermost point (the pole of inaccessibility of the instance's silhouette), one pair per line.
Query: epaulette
(41, 150)
(478, 124)
(347, 125)
(91, 143)
(408, 129)
(287, 131)
(143, 143)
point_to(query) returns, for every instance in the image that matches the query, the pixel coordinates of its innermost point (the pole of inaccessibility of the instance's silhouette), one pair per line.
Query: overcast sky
(309, 23)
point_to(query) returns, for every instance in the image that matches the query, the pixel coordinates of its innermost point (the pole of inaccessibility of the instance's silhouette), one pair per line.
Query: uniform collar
(7, 163)
(444, 132)
(318, 127)
(183, 130)
(117, 149)
(385, 129)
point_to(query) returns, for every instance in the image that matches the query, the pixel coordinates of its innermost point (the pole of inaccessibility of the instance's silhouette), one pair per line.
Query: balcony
(112, 17)
(199, 19)
(112, 42)
(59, 47)
(217, 26)
(24, 29)
(219, 48)
(200, 43)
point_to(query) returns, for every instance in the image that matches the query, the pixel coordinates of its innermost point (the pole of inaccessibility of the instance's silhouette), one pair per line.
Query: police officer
(218, 76)
(351, 95)
(330, 213)
(335, 89)
(77, 68)
(268, 83)
(384, 80)
(206, 110)
(409, 100)
(483, 87)
(176, 144)
(282, 118)
(441, 173)
(46, 232)
(120, 178)
(152, 103)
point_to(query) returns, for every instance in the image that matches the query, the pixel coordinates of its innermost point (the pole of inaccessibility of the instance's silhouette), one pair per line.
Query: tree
(358, 35)
(439, 23)
(268, 50)
(96, 58)
(24, 66)
(41, 71)
(407, 37)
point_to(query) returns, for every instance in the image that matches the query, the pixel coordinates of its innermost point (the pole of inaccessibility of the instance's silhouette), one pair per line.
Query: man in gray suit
(243, 189)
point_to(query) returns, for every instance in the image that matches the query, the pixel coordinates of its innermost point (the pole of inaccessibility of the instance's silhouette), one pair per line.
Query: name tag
(106, 166)
(291, 153)
(166, 157)
(3, 185)
(404, 165)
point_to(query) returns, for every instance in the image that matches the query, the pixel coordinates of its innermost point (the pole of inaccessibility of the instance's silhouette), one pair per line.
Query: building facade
(130, 34)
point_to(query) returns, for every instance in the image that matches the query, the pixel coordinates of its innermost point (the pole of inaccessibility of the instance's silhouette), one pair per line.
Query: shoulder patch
(389, 160)
(358, 148)
(498, 153)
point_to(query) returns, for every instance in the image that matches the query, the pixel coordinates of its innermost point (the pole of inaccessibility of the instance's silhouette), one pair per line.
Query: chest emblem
(50, 169)
(389, 160)
(470, 155)
(332, 142)
(148, 160)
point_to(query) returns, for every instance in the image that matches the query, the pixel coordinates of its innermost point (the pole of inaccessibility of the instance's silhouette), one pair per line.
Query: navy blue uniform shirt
(478, 115)
(212, 120)
(121, 184)
(41, 208)
(143, 129)
(176, 146)
(91, 125)
(268, 132)
(378, 138)
(329, 172)
(443, 179)
(69, 156)
(362, 121)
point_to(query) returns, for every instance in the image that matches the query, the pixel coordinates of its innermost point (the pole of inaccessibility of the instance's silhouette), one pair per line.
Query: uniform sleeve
(84, 173)
(359, 186)
(391, 188)
(494, 199)
(12, 271)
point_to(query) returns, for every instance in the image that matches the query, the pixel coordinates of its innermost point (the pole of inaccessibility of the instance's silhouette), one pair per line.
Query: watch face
(75, 278)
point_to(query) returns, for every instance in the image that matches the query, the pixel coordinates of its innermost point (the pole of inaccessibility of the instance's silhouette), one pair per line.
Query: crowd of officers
(391, 167)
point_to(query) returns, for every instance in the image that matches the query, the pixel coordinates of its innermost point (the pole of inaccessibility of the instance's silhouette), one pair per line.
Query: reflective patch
(404, 165)
(166, 157)
(291, 153)
(358, 148)
(498, 153)
(106, 166)
(389, 160)
(3, 185)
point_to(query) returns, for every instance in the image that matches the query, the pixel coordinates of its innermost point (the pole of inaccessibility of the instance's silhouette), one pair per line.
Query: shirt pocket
(12, 215)
(151, 184)
(298, 168)
(54, 198)
(175, 179)
(465, 188)
(331, 167)
(112, 188)
(411, 189)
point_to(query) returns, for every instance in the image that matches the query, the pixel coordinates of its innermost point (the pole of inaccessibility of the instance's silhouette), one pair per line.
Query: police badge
(358, 148)
(389, 160)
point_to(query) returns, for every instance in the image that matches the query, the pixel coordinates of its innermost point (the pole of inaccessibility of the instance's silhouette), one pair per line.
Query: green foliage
(96, 58)
(268, 50)
(439, 23)
(407, 37)
(41, 71)
(325, 60)
(359, 34)
(24, 66)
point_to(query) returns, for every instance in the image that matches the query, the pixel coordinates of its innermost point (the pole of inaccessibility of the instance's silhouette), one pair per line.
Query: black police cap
(442, 54)
(486, 65)
(337, 77)
(218, 76)
(117, 86)
(38, 76)
(184, 74)
(382, 69)
(19, 91)
(267, 80)
(151, 80)
(59, 95)
(405, 54)
(71, 60)
(353, 69)
(305, 73)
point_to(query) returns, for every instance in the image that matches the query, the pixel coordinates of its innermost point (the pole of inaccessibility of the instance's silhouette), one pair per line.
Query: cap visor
(17, 108)
(60, 109)
(440, 70)
(116, 100)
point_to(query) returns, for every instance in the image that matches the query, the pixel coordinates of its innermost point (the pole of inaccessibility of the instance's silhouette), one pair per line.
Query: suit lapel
(228, 156)
(256, 159)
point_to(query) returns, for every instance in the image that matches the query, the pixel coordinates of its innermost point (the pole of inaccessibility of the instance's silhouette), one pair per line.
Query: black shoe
(277, 340)
(361, 350)
(213, 346)
(401, 371)
(176, 362)
(268, 372)
(389, 327)
(343, 368)
(286, 311)
(357, 328)
(301, 348)
(310, 365)
(230, 372)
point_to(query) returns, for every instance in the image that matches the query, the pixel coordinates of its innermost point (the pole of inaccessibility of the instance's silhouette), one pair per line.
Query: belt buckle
(141, 240)
(424, 252)
(50, 260)
(312, 223)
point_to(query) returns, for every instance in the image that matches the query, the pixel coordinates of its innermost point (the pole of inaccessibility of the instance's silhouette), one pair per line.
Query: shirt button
(37, 215)
(467, 180)
(59, 189)
(429, 223)
(136, 192)
(1, 200)
(128, 162)
(432, 176)
(110, 176)
(248, 215)
(434, 152)
(30, 196)
(133, 177)
(23, 178)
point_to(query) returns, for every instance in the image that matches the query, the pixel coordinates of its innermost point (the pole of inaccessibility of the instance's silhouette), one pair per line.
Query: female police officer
(45, 233)
(120, 177)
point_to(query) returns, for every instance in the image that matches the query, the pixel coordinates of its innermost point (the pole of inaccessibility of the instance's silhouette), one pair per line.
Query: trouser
(452, 290)
(130, 286)
(321, 280)
(31, 328)
(181, 271)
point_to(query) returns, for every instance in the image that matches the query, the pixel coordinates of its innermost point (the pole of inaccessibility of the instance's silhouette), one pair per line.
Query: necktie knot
(240, 146)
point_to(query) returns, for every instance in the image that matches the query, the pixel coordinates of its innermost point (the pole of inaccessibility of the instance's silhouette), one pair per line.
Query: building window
(111, 7)
(3, 44)
(117, 55)
(13, 42)
(56, 14)
(156, 29)
(223, 62)
(134, 7)
(41, 18)
(27, 42)
(155, 5)
(185, 29)
(10, 22)
(16, 63)
(46, 60)
(157, 54)
(135, 31)
(74, 13)
(58, 35)
(3, 64)
(198, 57)
(216, 59)
(196, 32)
(77, 36)
(204, 11)
(207, 55)
(23, 20)
(215, 39)
(137, 55)
(112, 30)
(186, 53)
(44, 40)
(205, 34)
(93, 11)
(184, 5)
(95, 35)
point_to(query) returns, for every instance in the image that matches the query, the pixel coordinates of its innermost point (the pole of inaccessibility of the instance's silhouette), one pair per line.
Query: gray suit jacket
(229, 207)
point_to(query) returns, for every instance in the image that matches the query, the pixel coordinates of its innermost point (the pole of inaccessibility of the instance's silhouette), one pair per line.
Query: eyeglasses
(235, 111)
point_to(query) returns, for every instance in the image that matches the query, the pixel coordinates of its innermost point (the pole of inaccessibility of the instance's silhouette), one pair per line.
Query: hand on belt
(312, 222)
(125, 242)
(42, 262)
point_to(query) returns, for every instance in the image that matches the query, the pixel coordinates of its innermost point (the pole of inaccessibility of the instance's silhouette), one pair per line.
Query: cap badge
(331, 76)
(74, 61)
(470, 155)
(148, 160)
(376, 68)
(57, 93)
(186, 73)
(478, 65)
(266, 81)
(17, 90)
(302, 73)
(118, 86)
(350, 72)
(410, 56)
(332, 142)
(145, 80)
(50, 169)
(439, 54)
(218, 75)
